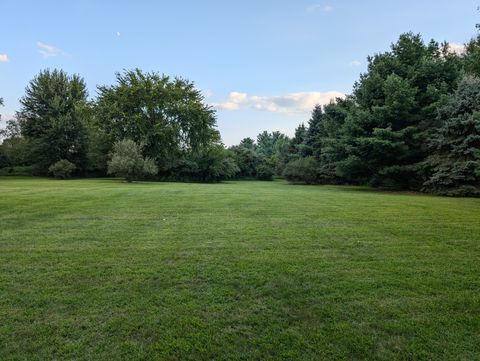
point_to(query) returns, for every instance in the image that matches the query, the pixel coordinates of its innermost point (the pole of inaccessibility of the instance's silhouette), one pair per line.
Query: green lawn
(105, 270)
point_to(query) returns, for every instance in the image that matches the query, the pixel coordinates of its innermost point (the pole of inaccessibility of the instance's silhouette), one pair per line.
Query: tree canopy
(410, 122)
(166, 115)
(50, 117)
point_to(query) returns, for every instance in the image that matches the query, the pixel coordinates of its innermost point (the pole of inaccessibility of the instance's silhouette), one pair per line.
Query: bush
(265, 172)
(17, 171)
(150, 168)
(62, 169)
(127, 161)
(212, 164)
(303, 170)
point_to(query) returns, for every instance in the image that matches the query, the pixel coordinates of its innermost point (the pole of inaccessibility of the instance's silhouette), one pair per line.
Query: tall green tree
(272, 148)
(167, 115)
(396, 102)
(333, 140)
(314, 129)
(246, 158)
(50, 119)
(472, 55)
(455, 159)
(297, 148)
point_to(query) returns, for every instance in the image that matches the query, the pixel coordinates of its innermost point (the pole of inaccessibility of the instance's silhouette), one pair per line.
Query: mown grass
(105, 270)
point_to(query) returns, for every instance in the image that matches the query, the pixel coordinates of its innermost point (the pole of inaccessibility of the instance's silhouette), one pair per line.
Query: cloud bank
(302, 102)
(3, 58)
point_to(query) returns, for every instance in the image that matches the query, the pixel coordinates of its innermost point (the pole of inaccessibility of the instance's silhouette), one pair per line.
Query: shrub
(150, 168)
(127, 161)
(303, 170)
(62, 169)
(26, 170)
(265, 172)
(212, 164)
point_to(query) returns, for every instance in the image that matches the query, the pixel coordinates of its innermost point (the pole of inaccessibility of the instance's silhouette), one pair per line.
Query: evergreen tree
(396, 104)
(314, 130)
(472, 55)
(246, 158)
(455, 163)
(333, 141)
(297, 143)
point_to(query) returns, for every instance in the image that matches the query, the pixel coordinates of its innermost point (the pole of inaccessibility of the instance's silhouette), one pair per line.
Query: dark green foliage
(271, 145)
(166, 115)
(62, 169)
(379, 135)
(397, 129)
(397, 100)
(272, 148)
(4, 161)
(248, 143)
(455, 162)
(246, 158)
(50, 118)
(264, 158)
(127, 161)
(297, 147)
(472, 56)
(211, 164)
(265, 172)
(17, 171)
(98, 150)
(313, 131)
(303, 170)
(17, 151)
(334, 140)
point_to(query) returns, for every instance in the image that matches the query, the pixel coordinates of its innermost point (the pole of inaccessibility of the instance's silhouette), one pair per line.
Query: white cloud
(48, 51)
(3, 58)
(233, 101)
(118, 33)
(355, 63)
(458, 49)
(301, 102)
(322, 7)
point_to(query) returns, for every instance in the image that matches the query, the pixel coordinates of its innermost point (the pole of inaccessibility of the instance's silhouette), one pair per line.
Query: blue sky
(262, 64)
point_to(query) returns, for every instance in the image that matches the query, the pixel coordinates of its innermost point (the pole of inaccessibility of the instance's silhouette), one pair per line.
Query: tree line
(411, 122)
(145, 125)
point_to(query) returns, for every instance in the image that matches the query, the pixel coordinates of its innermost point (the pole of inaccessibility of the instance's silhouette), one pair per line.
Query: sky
(262, 64)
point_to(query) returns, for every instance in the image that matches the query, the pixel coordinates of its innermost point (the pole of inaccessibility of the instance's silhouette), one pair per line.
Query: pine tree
(455, 164)
(297, 143)
(313, 130)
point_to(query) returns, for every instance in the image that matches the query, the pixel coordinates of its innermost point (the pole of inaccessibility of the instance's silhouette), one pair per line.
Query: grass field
(105, 270)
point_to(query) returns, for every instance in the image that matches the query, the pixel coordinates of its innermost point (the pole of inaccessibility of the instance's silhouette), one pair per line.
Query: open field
(105, 270)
